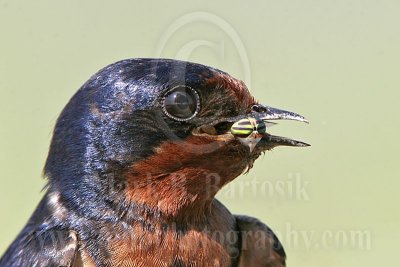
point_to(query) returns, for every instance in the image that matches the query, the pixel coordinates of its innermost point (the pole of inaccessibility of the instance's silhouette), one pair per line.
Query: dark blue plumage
(108, 136)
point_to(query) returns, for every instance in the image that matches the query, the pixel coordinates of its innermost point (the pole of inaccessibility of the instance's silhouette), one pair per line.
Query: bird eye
(181, 103)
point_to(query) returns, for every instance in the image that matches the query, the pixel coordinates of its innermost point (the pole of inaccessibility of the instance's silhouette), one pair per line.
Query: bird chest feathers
(212, 244)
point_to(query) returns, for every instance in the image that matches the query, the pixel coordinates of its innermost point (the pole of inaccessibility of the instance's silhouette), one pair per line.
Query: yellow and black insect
(245, 127)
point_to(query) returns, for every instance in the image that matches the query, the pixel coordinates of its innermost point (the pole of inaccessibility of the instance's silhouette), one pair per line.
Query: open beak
(267, 114)
(252, 129)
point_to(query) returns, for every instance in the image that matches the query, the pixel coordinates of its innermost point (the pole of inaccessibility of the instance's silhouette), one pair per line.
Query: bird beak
(265, 114)
(252, 129)
(268, 113)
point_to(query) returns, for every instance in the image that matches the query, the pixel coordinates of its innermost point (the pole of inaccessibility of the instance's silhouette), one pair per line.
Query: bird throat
(181, 180)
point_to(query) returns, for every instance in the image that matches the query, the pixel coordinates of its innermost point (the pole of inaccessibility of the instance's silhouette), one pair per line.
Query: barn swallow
(136, 159)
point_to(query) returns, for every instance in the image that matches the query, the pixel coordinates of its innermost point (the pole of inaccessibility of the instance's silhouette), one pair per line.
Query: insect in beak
(249, 131)
(252, 130)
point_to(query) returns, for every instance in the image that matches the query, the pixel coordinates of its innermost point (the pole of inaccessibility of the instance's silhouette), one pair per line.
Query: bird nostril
(259, 108)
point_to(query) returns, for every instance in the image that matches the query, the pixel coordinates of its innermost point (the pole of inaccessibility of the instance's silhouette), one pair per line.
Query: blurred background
(336, 62)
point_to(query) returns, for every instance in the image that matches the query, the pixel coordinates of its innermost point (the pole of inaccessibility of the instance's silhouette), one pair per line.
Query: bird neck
(182, 196)
(181, 179)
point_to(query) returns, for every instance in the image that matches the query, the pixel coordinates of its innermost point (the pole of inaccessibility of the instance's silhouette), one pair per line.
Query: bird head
(157, 135)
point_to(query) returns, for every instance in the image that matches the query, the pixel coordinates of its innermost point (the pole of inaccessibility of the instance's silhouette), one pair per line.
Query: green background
(336, 62)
